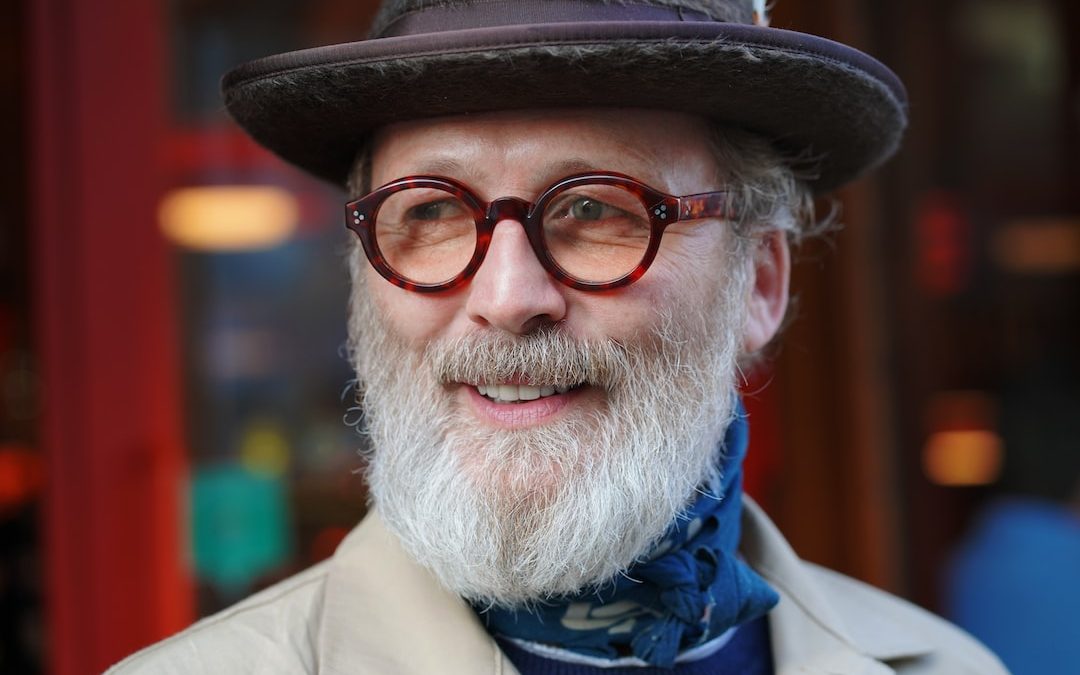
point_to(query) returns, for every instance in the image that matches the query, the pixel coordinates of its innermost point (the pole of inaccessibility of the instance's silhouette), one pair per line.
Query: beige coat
(371, 610)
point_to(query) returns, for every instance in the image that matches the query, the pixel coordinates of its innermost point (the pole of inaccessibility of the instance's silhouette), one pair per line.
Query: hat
(830, 106)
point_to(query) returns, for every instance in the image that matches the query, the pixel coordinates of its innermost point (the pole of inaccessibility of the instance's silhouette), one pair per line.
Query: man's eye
(590, 209)
(434, 210)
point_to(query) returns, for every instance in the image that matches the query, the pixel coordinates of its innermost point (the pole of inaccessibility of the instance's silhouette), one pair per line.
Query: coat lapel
(386, 615)
(808, 634)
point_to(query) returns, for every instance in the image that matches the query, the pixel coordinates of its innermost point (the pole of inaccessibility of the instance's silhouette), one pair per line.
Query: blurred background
(176, 428)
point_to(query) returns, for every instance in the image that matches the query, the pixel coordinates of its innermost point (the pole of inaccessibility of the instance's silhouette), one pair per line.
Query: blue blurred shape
(1015, 585)
(239, 525)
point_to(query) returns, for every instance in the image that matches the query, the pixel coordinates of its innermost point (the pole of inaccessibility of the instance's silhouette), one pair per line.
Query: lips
(516, 393)
(517, 406)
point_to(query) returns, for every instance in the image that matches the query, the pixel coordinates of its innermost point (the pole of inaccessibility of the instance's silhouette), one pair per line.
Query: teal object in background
(239, 526)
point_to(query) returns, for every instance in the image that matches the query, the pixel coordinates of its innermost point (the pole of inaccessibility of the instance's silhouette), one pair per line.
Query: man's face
(609, 404)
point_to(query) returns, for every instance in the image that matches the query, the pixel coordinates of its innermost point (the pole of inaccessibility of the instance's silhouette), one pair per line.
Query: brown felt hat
(833, 107)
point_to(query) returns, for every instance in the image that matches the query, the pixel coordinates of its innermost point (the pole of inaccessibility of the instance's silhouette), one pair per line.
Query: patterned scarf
(689, 589)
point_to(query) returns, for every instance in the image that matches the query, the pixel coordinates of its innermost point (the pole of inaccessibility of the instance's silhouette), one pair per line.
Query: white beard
(507, 517)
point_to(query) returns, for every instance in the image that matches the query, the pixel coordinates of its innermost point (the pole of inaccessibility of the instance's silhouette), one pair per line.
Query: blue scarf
(688, 590)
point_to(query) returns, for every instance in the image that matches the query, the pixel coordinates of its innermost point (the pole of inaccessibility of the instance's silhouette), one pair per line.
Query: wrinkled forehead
(537, 145)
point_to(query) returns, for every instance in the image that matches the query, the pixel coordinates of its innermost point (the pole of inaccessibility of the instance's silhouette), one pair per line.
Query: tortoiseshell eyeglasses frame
(663, 210)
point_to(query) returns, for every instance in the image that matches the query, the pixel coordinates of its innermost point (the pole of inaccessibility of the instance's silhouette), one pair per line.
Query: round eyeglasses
(592, 231)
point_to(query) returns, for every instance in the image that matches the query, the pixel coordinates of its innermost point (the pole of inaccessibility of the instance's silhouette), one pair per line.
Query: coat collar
(807, 629)
(377, 598)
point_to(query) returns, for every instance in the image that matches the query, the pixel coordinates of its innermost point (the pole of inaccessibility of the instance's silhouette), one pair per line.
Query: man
(574, 219)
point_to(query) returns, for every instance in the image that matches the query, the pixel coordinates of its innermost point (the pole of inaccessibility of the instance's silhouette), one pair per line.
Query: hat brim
(834, 109)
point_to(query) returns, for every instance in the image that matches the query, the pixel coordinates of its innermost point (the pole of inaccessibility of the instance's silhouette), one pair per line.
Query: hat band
(439, 18)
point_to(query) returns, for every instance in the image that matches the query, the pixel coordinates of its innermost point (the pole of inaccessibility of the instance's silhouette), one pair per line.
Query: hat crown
(398, 17)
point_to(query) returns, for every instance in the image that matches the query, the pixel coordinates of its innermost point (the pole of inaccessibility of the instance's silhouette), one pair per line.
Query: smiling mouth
(520, 393)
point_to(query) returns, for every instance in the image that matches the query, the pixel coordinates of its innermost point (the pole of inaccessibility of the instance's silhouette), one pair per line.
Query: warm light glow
(229, 218)
(1049, 246)
(963, 457)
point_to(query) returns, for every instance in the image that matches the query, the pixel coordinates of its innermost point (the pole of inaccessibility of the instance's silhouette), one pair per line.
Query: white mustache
(547, 357)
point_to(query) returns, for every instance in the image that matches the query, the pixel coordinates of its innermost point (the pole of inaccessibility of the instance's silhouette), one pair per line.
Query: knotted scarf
(690, 588)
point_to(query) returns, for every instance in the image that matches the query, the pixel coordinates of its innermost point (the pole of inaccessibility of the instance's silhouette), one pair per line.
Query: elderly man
(573, 220)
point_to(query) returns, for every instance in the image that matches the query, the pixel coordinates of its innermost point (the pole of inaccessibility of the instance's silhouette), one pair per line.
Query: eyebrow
(452, 167)
(573, 165)
(444, 166)
(470, 174)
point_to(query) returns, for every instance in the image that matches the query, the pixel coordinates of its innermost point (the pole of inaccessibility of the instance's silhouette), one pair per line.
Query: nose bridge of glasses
(508, 208)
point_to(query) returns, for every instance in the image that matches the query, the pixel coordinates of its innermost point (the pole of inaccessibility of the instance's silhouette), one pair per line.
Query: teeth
(511, 393)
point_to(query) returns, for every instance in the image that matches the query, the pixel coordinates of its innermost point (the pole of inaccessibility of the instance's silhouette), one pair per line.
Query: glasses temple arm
(705, 205)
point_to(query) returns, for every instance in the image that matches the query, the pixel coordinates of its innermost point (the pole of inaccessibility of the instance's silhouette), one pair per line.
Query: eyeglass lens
(595, 232)
(426, 235)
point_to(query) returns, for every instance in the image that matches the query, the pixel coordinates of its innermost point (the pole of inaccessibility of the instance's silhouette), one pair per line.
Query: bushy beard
(507, 517)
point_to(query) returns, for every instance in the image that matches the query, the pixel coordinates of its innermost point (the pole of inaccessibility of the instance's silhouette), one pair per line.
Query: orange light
(229, 217)
(963, 447)
(963, 457)
(1046, 246)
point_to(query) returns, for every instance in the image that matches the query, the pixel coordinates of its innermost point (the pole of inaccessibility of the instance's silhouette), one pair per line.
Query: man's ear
(768, 294)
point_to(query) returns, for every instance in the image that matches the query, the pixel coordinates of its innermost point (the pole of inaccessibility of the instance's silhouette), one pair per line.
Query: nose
(512, 291)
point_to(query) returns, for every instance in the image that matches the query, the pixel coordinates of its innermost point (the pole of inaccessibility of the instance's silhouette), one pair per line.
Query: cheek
(414, 317)
(631, 312)
(688, 272)
(687, 267)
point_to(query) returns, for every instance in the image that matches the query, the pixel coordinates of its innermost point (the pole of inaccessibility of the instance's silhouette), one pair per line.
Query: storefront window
(263, 290)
